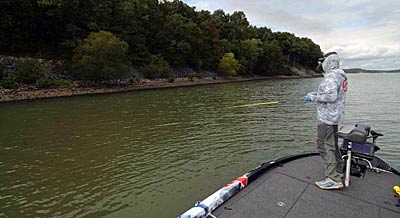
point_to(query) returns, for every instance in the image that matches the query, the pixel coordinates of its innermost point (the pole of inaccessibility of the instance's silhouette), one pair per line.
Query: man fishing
(330, 98)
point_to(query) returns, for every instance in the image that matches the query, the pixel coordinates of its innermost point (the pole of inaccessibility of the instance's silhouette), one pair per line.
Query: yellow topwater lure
(396, 189)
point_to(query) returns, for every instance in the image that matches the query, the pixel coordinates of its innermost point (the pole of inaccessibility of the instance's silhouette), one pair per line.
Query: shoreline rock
(31, 93)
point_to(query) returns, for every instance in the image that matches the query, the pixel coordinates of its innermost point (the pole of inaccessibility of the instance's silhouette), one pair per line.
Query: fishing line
(254, 105)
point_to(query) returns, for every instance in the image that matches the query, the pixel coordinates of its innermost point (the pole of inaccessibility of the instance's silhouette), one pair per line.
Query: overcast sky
(365, 33)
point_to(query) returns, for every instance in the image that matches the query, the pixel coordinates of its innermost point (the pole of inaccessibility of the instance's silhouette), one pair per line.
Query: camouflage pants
(327, 145)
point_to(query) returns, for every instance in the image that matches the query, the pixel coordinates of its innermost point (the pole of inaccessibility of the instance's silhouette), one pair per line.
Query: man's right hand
(310, 96)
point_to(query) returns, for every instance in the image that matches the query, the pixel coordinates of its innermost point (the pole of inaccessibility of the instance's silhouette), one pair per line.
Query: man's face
(319, 67)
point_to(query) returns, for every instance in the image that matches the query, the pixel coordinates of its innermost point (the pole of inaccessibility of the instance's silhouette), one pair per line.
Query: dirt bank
(31, 93)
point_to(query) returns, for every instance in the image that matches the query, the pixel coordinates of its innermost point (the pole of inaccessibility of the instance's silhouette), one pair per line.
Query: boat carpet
(288, 191)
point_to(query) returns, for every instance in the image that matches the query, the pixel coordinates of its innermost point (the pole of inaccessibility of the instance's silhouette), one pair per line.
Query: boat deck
(289, 192)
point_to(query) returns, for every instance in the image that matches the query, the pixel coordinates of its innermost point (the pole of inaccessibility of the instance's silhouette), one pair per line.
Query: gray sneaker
(329, 184)
(319, 183)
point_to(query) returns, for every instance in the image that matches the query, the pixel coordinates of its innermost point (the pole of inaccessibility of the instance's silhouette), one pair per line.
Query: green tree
(177, 40)
(248, 54)
(239, 19)
(264, 34)
(286, 41)
(2, 73)
(16, 21)
(101, 56)
(9, 82)
(229, 65)
(156, 68)
(210, 49)
(220, 14)
(271, 60)
(138, 23)
(236, 27)
(28, 71)
(178, 7)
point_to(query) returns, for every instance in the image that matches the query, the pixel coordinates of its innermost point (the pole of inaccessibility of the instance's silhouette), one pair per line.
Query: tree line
(159, 36)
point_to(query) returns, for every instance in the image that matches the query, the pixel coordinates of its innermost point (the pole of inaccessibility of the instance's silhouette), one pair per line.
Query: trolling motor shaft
(348, 164)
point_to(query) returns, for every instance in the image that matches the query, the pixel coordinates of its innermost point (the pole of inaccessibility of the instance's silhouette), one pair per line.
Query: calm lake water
(155, 153)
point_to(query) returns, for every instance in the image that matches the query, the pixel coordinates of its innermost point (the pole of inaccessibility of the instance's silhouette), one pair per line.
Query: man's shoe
(329, 184)
(319, 183)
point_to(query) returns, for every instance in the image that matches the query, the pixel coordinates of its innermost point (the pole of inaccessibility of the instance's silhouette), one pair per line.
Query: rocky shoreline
(32, 93)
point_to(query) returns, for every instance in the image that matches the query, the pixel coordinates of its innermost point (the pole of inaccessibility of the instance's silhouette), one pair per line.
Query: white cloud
(365, 32)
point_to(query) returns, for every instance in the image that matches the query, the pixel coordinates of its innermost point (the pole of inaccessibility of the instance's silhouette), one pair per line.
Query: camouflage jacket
(331, 97)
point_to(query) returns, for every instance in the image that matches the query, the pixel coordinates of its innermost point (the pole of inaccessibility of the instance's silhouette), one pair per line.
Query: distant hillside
(359, 70)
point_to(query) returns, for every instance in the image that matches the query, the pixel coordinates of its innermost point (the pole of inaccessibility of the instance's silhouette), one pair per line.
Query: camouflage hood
(331, 62)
